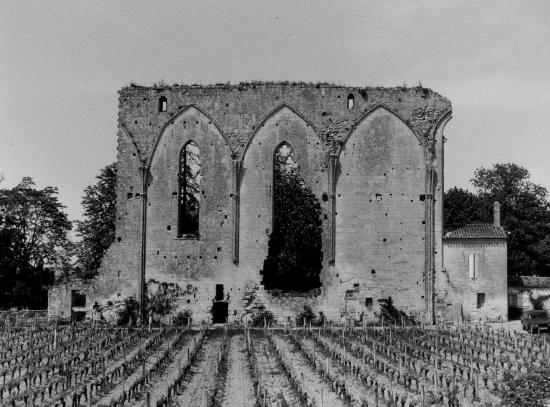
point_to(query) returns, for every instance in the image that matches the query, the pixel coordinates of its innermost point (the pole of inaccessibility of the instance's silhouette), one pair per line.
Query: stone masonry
(372, 156)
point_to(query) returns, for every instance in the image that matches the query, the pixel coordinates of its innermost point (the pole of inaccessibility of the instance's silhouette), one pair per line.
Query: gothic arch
(131, 139)
(441, 122)
(172, 121)
(268, 117)
(369, 113)
(214, 220)
(380, 206)
(281, 125)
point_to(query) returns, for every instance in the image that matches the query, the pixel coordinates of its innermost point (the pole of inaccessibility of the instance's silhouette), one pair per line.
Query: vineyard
(46, 364)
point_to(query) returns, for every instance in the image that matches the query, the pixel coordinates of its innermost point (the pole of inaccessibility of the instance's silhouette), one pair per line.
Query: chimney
(496, 214)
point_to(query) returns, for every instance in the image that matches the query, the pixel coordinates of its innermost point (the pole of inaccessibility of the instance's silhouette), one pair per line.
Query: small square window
(480, 300)
(368, 302)
(78, 299)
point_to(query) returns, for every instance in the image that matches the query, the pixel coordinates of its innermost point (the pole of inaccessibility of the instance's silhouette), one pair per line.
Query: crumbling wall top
(238, 110)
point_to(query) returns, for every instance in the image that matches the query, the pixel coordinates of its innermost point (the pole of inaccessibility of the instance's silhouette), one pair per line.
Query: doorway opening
(220, 308)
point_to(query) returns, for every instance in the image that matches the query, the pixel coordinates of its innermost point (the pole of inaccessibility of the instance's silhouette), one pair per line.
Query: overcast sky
(62, 62)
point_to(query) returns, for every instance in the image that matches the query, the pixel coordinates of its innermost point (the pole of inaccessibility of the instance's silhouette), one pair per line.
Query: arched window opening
(294, 258)
(284, 159)
(351, 100)
(189, 177)
(163, 104)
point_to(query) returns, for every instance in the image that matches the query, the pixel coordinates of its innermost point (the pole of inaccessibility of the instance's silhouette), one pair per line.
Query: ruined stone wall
(380, 145)
(457, 288)
(257, 181)
(380, 222)
(209, 255)
(60, 298)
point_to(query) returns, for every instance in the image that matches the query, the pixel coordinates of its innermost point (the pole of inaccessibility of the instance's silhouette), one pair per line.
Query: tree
(462, 207)
(525, 214)
(97, 230)
(294, 258)
(33, 233)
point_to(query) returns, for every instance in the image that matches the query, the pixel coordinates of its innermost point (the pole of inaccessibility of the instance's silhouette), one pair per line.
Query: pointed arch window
(189, 192)
(285, 168)
(284, 158)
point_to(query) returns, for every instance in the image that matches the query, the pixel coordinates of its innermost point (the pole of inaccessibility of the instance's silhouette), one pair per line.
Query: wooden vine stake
(89, 394)
(423, 397)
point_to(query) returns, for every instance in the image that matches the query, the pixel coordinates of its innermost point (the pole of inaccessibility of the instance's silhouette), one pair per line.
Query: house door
(219, 307)
(219, 312)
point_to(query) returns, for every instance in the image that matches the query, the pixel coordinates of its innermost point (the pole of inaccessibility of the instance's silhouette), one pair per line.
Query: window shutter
(471, 266)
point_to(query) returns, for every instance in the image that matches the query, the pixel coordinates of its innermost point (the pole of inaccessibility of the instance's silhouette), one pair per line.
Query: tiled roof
(529, 281)
(477, 231)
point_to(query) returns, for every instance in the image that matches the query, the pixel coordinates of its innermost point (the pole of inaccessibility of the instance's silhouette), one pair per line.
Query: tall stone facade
(373, 157)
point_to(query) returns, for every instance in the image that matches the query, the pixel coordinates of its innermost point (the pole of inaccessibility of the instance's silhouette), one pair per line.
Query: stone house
(474, 286)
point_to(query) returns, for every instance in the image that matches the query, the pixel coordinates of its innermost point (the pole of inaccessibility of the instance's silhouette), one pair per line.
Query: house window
(351, 101)
(480, 300)
(163, 104)
(473, 266)
(368, 302)
(219, 292)
(189, 179)
(78, 299)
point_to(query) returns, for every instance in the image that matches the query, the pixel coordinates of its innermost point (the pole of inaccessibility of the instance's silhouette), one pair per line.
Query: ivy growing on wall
(294, 258)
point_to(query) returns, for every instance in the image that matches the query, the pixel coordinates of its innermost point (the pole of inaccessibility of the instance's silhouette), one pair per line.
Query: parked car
(535, 319)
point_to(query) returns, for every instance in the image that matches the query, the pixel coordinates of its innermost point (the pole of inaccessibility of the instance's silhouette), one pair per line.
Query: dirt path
(149, 362)
(271, 373)
(203, 374)
(312, 383)
(239, 390)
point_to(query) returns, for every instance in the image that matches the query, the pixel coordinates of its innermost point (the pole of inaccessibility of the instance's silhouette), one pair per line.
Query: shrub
(162, 297)
(306, 314)
(128, 309)
(320, 320)
(538, 302)
(261, 315)
(183, 317)
(391, 315)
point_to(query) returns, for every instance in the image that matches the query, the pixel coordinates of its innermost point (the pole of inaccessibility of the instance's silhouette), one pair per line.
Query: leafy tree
(129, 310)
(162, 297)
(183, 317)
(97, 230)
(391, 315)
(33, 235)
(462, 207)
(294, 258)
(525, 214)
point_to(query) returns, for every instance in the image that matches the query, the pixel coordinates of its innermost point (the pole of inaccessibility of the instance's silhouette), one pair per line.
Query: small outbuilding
(528, 292)
(475, 258)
